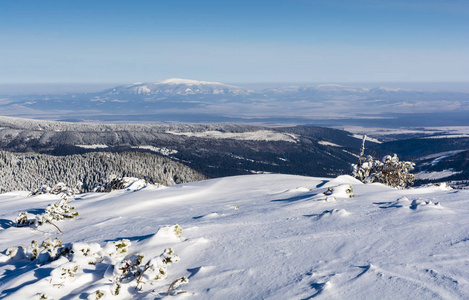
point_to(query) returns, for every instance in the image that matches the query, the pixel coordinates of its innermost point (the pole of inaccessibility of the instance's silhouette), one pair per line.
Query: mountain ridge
(177, 86)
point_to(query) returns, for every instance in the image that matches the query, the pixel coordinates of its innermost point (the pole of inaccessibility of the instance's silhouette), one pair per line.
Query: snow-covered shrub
(117, 248)
(23, 220)
(125, 270)
(48, 250)
(390, 171)
(340, 191)
(59, 211)
(65, 271)
(97, 295)
(54, 212)
(60, 189)
(133, 269)
(119, 183)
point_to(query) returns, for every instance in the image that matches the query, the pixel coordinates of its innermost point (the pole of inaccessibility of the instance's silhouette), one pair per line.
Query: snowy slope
(257, 237)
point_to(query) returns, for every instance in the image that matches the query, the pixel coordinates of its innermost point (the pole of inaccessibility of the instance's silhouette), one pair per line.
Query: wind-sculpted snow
(250, 237)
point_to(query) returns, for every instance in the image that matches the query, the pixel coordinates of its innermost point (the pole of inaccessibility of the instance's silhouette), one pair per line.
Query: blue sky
(234, 41)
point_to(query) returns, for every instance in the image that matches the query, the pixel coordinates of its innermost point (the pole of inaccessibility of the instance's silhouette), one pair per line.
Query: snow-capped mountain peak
(187, 82)
(178, 86)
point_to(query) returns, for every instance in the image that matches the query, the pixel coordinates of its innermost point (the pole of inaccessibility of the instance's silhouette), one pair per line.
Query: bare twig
(147, 266)
(171, 286)
(50, 222)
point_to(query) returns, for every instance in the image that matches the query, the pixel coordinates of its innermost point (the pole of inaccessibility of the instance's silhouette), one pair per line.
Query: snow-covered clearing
(380, 131)
(440, 155)
(325, 143)
(97, 146)
(251, 237)
(443, 131)
(437, 157)
(436, 174)
(162, 151)
(452, 136)
(370, 139)
(260, 135)
(452, 129)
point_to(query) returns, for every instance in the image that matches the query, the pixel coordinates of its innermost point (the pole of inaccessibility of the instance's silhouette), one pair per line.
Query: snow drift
(247, 237)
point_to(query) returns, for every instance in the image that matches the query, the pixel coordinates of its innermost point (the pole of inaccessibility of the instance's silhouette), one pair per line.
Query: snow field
(257, 237)
(259, 135)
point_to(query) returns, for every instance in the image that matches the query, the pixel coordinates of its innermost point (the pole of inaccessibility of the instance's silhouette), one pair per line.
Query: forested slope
(30, 171)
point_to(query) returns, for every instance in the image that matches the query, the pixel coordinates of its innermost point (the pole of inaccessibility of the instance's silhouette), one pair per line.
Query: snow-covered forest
(31, 170)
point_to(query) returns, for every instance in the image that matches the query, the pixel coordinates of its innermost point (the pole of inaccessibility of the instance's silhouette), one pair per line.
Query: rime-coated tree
(390, 170)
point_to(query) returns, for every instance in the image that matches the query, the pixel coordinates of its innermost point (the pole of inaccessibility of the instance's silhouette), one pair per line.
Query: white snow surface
(440, 155)
(256, 237)
(431, 132)
(259, 135)
(97, 146)
(370, 139)
(326, 143)
(162, 151)
(452, 136)
(188, 82)
(436, 174)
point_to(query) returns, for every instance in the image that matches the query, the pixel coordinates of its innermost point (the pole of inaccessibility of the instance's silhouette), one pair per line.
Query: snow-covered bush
(119, 183)
(340, 191)
(390, 171)
(125, 270)
(60, 189)
(48, 250)
(54, 212)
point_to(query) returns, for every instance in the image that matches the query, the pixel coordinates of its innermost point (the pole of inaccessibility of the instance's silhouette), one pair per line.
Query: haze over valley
(182, 100)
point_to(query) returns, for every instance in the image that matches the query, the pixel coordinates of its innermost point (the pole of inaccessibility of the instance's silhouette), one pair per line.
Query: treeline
(30, 171)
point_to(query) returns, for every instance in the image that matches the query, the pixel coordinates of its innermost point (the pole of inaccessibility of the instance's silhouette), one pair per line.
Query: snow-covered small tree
(60, 189)
(390, 170)
(118, 183)
(54, 212)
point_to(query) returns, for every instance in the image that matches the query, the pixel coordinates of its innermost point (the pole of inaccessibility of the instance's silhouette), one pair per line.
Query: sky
(99, 42)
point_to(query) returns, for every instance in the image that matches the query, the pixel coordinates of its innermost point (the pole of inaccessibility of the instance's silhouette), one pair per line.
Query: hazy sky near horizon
(234, 41)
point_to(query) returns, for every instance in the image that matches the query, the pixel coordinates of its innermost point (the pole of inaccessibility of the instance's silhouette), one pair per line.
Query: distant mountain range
(176, 86)
(185, 100)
